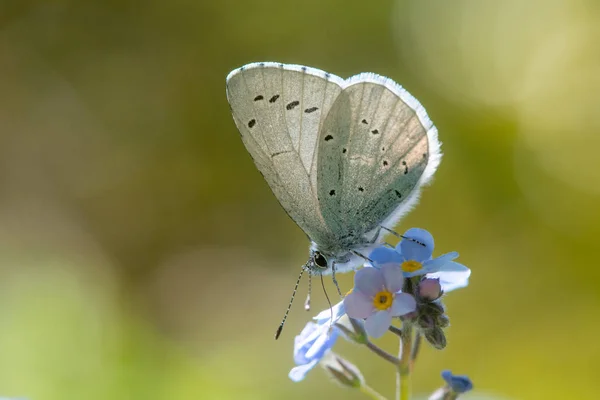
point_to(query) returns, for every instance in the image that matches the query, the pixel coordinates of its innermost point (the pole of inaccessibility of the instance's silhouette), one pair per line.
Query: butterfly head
(318, 262)
(321, 262)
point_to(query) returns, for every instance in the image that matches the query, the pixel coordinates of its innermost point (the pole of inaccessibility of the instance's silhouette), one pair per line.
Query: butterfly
(345, 158)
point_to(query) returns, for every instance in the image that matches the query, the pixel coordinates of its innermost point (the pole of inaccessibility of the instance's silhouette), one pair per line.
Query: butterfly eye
(320, 260)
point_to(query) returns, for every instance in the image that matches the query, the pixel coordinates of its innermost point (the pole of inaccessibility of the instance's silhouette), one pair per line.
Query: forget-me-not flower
(376, 296)
(458, 383)
(414, 255)
(310, 346)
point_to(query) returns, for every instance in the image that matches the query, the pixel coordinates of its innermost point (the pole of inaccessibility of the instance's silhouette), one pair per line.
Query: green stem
(395, 331)
(372, 393)
(415, 349)
(382, 353)
(404, 367)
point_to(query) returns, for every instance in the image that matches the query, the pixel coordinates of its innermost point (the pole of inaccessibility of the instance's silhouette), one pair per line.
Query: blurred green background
(142, 256)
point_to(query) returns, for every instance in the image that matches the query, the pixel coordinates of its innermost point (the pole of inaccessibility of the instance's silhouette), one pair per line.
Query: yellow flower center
(411, 266)
(383, 300)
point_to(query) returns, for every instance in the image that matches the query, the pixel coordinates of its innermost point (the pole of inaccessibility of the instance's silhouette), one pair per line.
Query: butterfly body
(343, 157)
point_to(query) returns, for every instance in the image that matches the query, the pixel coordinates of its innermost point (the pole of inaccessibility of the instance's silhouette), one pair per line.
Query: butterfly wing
(376, 150)
(279, 110)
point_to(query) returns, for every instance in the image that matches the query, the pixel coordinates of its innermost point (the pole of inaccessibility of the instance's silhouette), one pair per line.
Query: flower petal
(458, 383)
(451, 280)
(304, 341)
(324, 342)
(313, 342)
(393, 277)
(411, 250)
(325, 316)
(439, 263)
(453, 266)
(403, 304)
(358, 305)
(383, 255)
(377, 324)
(368, 281)
(298, 373)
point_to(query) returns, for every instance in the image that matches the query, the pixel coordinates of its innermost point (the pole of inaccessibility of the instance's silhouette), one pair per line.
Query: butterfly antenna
(335, 282)
(290, 304)
(328, 302)
(307, 302)
(402, 236)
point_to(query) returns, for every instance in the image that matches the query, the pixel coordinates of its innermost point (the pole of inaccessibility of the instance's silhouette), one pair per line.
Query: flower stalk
(372, 393)
(383, 354)
(415, 349)
(404, 366)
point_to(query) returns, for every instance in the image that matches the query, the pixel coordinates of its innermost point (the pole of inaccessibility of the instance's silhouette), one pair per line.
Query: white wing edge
(435, 154)
(289, 67)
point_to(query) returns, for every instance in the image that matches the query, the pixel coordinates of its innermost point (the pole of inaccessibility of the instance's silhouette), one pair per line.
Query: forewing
(379, 147)
(279, 110)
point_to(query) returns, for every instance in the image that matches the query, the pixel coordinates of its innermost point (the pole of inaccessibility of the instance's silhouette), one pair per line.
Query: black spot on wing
(385, 163)
(310, 110)
(279, 153)
(303, 69)
(328, 138)
(332, 192)
(292, 105)
(398, 194)
(259, 97)
(273, 99)
(405, 167)
(251, 123)
(364, 121)
(344, 151)
(375, 132)
(262, 64)
(361, 189)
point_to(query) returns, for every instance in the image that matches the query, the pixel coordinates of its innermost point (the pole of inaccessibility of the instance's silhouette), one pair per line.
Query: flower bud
(430, 289)
(455, 386)
(342, 371)
(353, 329)
(442, 321)
(436, 337)
(426, 322)
(433, 308)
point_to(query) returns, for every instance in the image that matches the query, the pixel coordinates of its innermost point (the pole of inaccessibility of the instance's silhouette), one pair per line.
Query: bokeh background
(142, 256)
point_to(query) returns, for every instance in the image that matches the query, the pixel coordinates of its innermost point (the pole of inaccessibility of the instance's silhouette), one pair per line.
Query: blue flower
(458, 383)
(376, 296)
(310, 347)
(414, 255)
